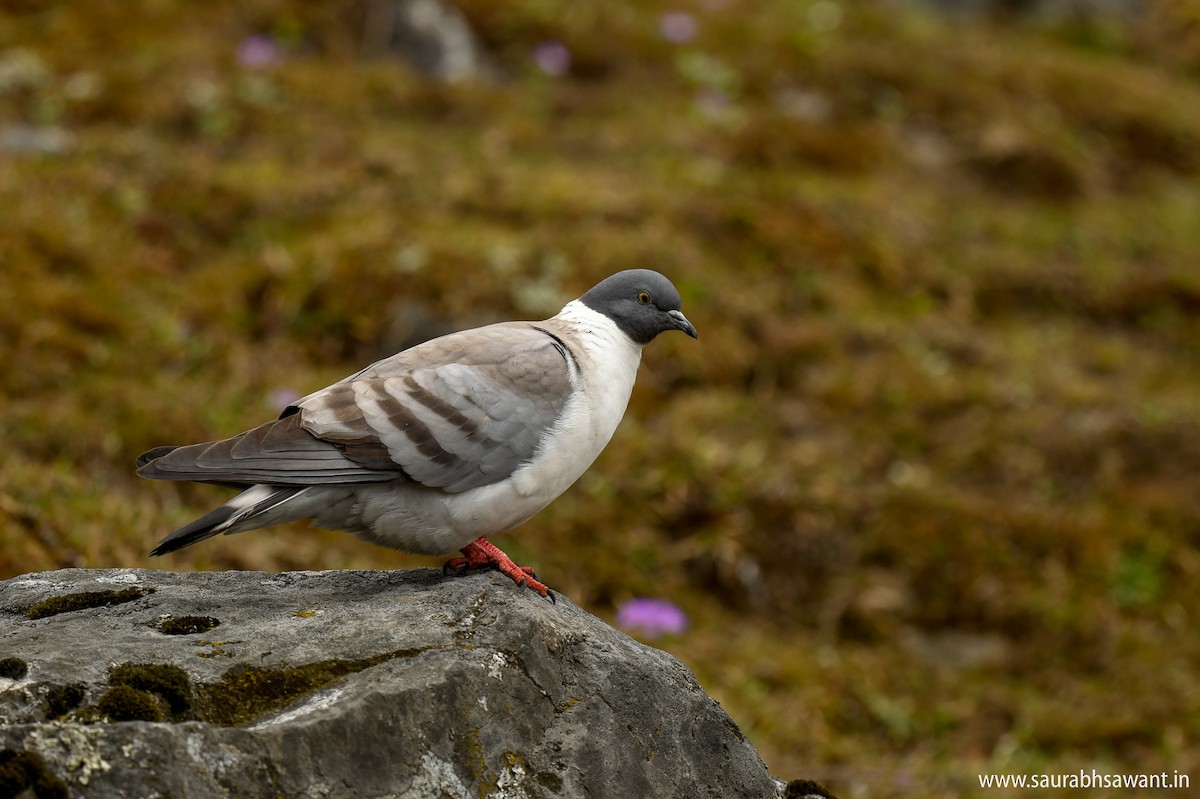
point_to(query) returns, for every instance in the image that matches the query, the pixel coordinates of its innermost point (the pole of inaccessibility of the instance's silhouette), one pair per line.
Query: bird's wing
(455, 413)
(280, 452)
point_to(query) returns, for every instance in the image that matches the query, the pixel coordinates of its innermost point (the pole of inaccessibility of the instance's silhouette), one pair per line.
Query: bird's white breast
(602, 380)
(603, 368)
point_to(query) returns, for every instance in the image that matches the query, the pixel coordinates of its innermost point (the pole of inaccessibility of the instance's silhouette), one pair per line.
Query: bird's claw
(524, 583)
(483, 554)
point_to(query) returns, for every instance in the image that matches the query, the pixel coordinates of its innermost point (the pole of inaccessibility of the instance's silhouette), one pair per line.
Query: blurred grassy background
(927, 485)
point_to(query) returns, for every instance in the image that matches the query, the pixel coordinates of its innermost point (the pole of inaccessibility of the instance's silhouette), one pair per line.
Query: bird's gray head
(642, 302)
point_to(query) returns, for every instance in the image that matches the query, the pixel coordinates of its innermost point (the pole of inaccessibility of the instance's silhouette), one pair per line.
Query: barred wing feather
(468, 421)
(455, 413)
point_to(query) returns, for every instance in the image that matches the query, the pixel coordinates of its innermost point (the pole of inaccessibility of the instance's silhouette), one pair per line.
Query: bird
(435, 448)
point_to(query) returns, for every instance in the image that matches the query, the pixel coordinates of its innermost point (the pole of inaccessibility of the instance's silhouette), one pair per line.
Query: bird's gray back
(454, 413)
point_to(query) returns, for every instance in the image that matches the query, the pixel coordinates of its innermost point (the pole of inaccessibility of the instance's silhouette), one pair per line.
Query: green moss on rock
(84, 599)
(162, 679)
(164, 692)
(13, 668)
(62, 699)
(187, 625)
(244, 693)
(21, 771)
(122, 703)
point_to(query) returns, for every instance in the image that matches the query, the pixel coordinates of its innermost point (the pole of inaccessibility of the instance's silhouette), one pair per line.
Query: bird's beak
(681, 323)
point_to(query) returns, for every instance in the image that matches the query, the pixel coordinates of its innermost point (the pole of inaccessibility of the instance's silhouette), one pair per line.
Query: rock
(432, 35)
(138, 683)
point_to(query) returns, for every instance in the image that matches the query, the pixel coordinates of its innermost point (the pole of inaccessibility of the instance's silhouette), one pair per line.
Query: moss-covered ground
(928, 485)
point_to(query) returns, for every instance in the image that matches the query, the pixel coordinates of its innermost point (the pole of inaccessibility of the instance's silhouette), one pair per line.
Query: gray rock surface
(432, 35)
(344, 684)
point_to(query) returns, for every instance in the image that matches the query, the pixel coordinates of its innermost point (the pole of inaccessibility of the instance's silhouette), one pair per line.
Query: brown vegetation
(929, 484)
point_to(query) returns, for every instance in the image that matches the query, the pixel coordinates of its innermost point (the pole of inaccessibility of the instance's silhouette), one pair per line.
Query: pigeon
(436, 447)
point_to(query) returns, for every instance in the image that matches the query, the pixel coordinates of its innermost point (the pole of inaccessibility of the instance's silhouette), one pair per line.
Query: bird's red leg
(483, 554)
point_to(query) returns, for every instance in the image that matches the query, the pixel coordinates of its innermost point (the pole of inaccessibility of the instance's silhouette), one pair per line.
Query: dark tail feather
(204, 527)
(153, 454)
(229, 517)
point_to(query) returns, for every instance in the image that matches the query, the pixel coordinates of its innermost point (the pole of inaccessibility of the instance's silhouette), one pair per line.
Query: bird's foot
(483, 554)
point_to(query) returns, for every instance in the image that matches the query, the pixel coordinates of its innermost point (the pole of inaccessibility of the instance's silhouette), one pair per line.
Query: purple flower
(678, 26)
(652, 617)
(553, 58)
(280, 398)
(258, 51)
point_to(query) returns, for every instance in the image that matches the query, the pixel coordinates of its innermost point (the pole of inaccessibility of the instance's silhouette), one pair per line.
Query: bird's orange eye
(644, 297)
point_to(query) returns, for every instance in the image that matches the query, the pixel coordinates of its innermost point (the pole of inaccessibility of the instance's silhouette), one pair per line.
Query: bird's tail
(154, 454)
(246, 511)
